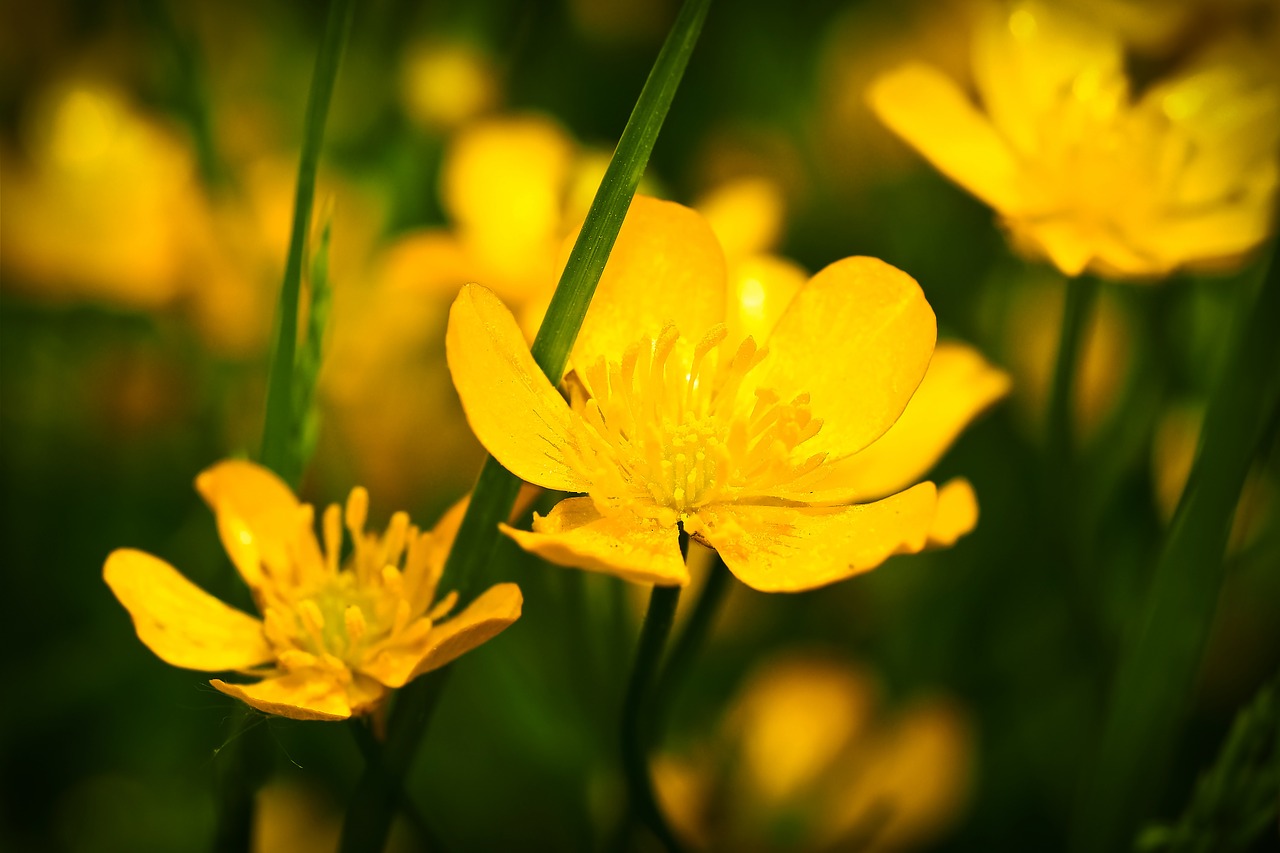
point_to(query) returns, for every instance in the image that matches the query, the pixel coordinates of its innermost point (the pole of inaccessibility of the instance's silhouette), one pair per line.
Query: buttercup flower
(333, 638)
(806, 759)
(1079, 172)
(780, 457)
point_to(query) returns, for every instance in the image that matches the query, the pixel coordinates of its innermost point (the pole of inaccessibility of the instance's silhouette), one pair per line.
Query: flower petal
(512, 408)
(575, 534)
(393, 662)
(760, 289)
(957, 513)
(258, 517)
(482, 620)
(797, 548)
(302, 695)
(666, 267)
(929, 111)
(959, 385)
(181, 623)
(857, 338)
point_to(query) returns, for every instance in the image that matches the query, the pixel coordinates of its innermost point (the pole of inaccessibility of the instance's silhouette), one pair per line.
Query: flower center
(671, 427)
(333, 613)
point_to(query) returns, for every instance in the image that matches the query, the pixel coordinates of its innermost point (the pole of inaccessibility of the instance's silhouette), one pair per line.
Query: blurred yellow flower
(333, 639)
(100, 206)
(805, 761)
(1079, 172)
(780, 458)
(444, 83)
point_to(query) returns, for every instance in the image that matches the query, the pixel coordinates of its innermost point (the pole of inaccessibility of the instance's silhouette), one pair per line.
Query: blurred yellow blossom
(445, 83)
(334, 639)
(99, 207)
(1079, 172)
(805, 760)
(781, 458)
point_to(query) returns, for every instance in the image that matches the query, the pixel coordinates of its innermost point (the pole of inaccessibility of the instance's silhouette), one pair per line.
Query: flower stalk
(639, 725)
(279, 428)
(1161, 653)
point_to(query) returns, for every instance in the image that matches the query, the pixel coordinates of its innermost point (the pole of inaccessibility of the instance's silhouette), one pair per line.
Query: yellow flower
(778, 457)
(1078, 171)
(333, 640)
(806, 761)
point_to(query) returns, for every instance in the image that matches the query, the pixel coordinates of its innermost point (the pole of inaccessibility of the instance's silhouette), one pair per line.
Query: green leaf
(1237, 799)
(1161, 652)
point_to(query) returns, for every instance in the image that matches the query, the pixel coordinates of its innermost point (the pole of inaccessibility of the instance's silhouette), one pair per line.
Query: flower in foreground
(780, 457)
(807, 759)
(334, 638)
(1080, 172)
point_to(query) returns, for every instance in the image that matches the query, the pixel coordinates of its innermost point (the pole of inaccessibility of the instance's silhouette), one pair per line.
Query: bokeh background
(148, 152)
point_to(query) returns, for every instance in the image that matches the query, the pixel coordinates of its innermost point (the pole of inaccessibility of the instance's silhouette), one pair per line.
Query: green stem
(1161, 653)
(638, 729)
(1076, 310)
(278, 429)
(373, 805)
(692, 637)
(371, 749)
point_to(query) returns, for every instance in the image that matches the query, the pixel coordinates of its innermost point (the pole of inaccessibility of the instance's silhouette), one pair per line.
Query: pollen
(673, 426)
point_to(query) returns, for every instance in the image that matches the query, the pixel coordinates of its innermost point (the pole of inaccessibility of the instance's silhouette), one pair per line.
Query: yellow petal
(512, 408)
(666, 267)
(760, 289)
(797, 548)
(957, 513)
(959, 385)
(575, 534)
(857, 338)
(746, 215)
(929, 111)
(181, 623)
(482, 620)
(303, 695)
(393, 661)
(258, 516)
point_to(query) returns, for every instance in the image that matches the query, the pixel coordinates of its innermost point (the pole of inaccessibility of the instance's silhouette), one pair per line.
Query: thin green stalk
(1161, 654)
(692, 637)
(1077, 308)
(369, 815)
(279, 429)
(638, 723)
(379, 792)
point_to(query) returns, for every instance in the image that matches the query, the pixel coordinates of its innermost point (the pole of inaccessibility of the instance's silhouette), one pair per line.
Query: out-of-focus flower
(867, 38)
(100, 207)
(779, 457)
(513, 187)
(1078, 171)
(445, 83)
(106, 208)
(333, 639)
(1031, 325)
(291, 818)
(805, 761)
(1172, 453)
